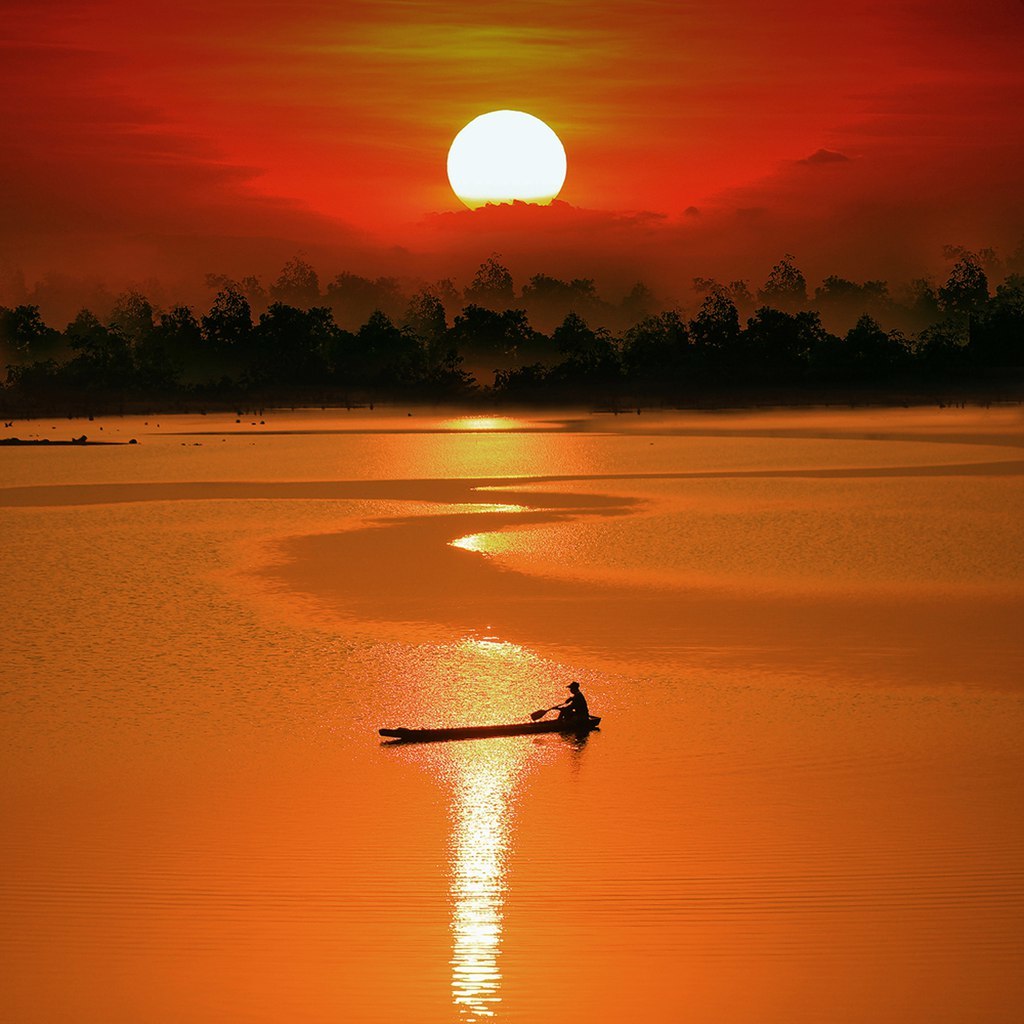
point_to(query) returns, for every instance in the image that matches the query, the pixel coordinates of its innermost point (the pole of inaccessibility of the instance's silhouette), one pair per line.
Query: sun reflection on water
(481, 543)
(481, 679)
(482, 423)
(485, 778)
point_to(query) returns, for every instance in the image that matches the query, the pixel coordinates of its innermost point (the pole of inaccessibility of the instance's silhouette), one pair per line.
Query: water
(802, 630)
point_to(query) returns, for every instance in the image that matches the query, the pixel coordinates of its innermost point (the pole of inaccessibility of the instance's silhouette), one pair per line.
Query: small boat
(479, 732)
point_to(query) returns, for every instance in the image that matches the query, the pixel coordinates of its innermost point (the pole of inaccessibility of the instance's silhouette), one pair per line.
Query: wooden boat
(479, 732)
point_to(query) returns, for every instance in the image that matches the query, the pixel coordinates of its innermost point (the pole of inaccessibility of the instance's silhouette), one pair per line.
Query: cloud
(825, 156)
(559, 238)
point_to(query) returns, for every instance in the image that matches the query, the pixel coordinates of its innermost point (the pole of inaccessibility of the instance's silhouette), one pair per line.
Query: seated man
(575, 708)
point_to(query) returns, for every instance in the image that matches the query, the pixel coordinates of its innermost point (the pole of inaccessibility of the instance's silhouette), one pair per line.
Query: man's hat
(573, 685)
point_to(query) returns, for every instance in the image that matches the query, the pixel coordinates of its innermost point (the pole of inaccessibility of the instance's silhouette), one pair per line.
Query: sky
(146, 138)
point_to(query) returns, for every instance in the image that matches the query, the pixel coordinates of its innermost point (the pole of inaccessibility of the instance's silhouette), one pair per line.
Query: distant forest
(359, 340)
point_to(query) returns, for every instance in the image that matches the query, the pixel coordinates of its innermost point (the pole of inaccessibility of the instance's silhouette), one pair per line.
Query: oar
(538, 715)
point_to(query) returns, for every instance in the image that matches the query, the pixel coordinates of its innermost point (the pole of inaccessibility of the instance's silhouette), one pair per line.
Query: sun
(504, 156)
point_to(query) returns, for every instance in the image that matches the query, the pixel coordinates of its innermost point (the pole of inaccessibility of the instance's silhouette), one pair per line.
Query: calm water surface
(802, 631)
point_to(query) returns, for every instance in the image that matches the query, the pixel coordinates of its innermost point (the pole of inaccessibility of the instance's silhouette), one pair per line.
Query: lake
(802, 631)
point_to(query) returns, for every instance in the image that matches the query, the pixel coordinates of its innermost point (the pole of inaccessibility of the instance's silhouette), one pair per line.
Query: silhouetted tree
(444, 290)
(40, 377)
(256, 295)
(250, 287)
(778, 346)
(291, 345)
(297, 285)
(961, 334)
(478, 330)
(104, 359)
(841, 301)
(997, 338)
(492, 285)
(132, 320)
(427, 321)
(182, 338)
(24, 337)
(578, 342)
(525, 383)
(941, 351)
(228, 325)
(986, 257)
(715, 332)
(354, 299)
(656, 353)
(549, 299)
(920, 304)
(425, 316)
(544, 288)
(966, 291)
(738, 292)
(866, 355)
(717, 322)
(87, 336)
(639, 302)
(386, 355)
(590, 355)
(785, 288)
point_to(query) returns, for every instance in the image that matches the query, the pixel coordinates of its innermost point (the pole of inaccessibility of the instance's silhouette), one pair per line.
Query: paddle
(538, 715)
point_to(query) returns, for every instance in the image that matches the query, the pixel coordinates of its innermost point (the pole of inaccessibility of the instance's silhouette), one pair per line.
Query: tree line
(284, 345)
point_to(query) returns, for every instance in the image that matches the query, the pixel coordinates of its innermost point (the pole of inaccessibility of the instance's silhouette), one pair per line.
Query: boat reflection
(485, 777)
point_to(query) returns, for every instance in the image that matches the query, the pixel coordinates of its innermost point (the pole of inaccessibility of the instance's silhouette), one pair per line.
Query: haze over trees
(356, 339)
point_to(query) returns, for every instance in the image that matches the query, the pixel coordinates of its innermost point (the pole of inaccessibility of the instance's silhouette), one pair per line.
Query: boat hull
(480, 732)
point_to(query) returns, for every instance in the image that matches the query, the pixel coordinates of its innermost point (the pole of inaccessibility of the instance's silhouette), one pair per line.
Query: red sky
(145, 137)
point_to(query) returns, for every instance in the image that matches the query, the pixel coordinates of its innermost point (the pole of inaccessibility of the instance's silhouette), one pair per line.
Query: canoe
(479, 732)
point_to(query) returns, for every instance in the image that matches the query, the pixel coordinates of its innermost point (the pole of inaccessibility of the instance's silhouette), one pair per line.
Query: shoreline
(942, 396)
(21, 442)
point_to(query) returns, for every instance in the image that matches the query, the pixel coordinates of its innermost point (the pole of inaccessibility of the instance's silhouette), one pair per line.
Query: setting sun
(504, 156)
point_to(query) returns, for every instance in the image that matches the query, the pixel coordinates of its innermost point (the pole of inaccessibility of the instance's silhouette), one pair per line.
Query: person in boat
(575, 708)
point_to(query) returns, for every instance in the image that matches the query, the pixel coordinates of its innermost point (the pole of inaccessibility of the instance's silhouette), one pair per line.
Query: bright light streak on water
(482, 423)
(484, 777)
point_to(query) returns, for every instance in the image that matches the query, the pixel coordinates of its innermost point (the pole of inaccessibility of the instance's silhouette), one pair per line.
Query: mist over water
(801, 631)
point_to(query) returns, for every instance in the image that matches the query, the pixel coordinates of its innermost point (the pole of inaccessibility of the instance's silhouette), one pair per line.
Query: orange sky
(150, 137)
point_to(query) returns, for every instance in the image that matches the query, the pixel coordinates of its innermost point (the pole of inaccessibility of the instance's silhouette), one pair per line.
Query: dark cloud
(614, 247)
(825, 156)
